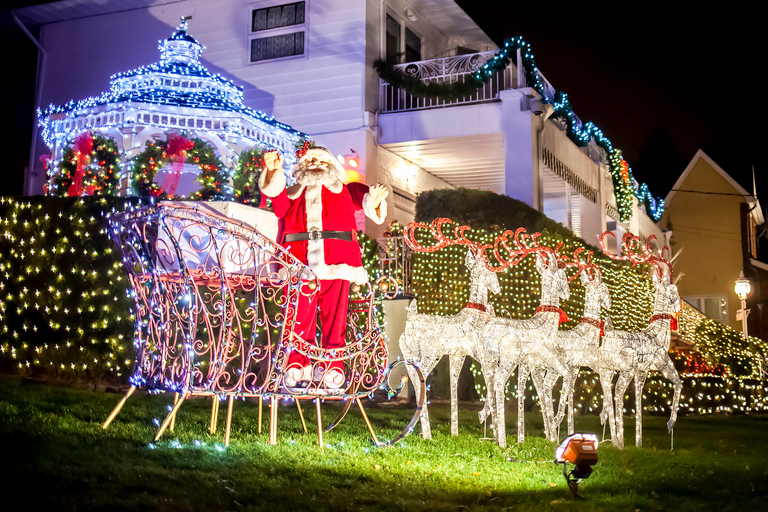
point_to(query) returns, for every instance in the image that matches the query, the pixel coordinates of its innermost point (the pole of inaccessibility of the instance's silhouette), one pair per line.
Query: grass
(56, 455)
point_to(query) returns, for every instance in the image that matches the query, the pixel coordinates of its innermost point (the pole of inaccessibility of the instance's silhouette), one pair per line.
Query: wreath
(213, 177)
(246, 177)
(98, 160)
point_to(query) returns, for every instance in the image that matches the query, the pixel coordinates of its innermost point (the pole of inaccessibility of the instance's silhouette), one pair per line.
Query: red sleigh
(215, 305)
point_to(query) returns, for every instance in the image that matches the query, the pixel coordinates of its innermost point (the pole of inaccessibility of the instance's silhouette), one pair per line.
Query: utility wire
(709, 193)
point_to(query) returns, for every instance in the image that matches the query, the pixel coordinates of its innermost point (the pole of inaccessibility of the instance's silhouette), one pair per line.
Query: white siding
(318, 93)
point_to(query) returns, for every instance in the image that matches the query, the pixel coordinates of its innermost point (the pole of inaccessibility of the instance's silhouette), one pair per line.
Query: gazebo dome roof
(177, 80)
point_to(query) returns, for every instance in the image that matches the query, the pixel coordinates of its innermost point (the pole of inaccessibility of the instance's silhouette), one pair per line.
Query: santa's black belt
(316, 235)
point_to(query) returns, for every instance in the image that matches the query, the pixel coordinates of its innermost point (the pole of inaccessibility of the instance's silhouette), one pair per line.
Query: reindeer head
(481, 276)
(667, 297)
(595, 291)
(554, 281)
(597, 295)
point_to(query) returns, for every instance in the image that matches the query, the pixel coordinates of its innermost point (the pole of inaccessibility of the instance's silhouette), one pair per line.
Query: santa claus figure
(319, 229)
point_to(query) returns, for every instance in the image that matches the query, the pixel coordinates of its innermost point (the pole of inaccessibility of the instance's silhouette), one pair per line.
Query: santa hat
(305, 177)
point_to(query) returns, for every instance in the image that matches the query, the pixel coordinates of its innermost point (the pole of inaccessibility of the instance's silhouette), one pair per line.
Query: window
(277, 31)
(401, 43)
(393, 41)
(714, 306)
(412, 46)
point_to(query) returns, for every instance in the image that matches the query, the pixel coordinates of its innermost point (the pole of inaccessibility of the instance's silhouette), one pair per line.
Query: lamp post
(742, 289)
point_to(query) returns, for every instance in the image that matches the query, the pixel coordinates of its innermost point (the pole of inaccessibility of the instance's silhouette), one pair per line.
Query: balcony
(454, 69)
(443, 71)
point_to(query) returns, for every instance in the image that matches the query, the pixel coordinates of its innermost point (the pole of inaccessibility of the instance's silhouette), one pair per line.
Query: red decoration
(553, 309)
(176, 148)
(625, 171)
(308, 144)
(82, 147)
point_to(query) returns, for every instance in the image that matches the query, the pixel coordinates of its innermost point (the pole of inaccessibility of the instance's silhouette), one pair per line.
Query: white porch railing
(443, 71)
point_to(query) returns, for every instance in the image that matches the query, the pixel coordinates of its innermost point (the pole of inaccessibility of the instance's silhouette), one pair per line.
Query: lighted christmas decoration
(581, 344)
(212, 178)
(499, 344)
(89, 166)
(216, 308)
(579, 133)
(528, 345)
(64, 310)
(176, 94)
(635, 354)
(246, 177)
(427, 338)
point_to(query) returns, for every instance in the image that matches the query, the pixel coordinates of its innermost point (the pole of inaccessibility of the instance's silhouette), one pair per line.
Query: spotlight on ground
(581, 451)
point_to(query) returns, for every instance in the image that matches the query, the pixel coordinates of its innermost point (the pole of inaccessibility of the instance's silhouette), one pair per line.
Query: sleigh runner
(215, 315)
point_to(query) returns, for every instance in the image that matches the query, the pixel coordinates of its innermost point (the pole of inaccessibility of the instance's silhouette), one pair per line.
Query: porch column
(521, 163)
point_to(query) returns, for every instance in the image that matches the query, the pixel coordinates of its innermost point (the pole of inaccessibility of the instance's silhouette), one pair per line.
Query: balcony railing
(395, 261)
(444, 71)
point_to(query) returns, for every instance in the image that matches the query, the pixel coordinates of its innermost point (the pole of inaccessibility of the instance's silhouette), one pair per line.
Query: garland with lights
(246, 176)
(101, 169)
(579, 134)
(213, 177)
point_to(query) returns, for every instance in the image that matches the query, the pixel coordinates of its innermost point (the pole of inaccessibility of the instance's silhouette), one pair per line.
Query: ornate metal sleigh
(215, 308)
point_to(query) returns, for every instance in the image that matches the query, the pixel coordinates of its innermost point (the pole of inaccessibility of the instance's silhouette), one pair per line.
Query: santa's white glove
(378, 193)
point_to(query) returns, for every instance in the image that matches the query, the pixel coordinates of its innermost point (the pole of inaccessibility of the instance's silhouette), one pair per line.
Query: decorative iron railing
(445, 70)
(395, 261)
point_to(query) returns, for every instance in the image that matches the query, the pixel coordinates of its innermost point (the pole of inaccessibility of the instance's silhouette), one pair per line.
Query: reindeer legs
(456, 362)
(668, 370)
(522, 378)
(427, 365)
(608, 414)
(640, 377)
(625, 376)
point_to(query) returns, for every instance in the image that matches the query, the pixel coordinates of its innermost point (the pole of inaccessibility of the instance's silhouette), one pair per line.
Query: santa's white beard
(319, 174)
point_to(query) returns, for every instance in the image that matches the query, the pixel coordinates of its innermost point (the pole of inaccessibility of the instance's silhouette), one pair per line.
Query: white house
(309, 64)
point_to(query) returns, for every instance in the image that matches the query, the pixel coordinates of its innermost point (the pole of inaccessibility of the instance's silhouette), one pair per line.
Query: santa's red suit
(319, 206)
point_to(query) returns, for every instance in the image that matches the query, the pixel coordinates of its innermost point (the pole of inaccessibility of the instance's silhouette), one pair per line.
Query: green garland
(101, 172)
(246, 177)
(212, 178)
(578, 134)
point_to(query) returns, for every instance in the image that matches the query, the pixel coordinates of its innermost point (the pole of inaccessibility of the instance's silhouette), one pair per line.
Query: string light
(578, 132)
(176, 93)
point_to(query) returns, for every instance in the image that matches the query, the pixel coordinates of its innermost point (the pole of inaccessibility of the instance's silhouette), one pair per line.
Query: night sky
(660, 83)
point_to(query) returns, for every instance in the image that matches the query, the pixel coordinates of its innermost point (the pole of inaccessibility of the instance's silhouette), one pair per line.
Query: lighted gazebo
(175, 94)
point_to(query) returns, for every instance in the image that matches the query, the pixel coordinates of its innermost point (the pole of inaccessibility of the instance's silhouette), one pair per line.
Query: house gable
(700, 163)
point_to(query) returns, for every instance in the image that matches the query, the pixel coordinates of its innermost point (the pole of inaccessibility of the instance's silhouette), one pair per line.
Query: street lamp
(742, 289)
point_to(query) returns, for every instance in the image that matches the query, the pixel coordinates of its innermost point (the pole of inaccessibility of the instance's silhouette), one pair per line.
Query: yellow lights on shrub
(57, 270)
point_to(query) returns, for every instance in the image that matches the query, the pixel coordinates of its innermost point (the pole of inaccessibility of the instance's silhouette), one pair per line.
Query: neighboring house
(310, 65)
(716, 226)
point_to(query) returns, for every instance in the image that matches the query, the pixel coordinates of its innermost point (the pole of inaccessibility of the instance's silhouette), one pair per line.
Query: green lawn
(56, 455)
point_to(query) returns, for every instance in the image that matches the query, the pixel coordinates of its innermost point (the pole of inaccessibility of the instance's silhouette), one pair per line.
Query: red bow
(176, 148)
(82, 147)
(553, 309)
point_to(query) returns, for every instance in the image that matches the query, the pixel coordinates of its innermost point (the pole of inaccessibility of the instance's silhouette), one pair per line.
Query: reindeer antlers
(585, 265)
(524, 243)
(635, 252)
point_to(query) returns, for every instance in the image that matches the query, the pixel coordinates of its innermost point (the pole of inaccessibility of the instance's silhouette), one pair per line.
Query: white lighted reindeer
(634, 354)
(427, 338)
(524, 343)
(581, 344)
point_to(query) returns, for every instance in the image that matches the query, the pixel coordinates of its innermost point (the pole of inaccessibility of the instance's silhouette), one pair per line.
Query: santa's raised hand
(378, 194)
(273, 160)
